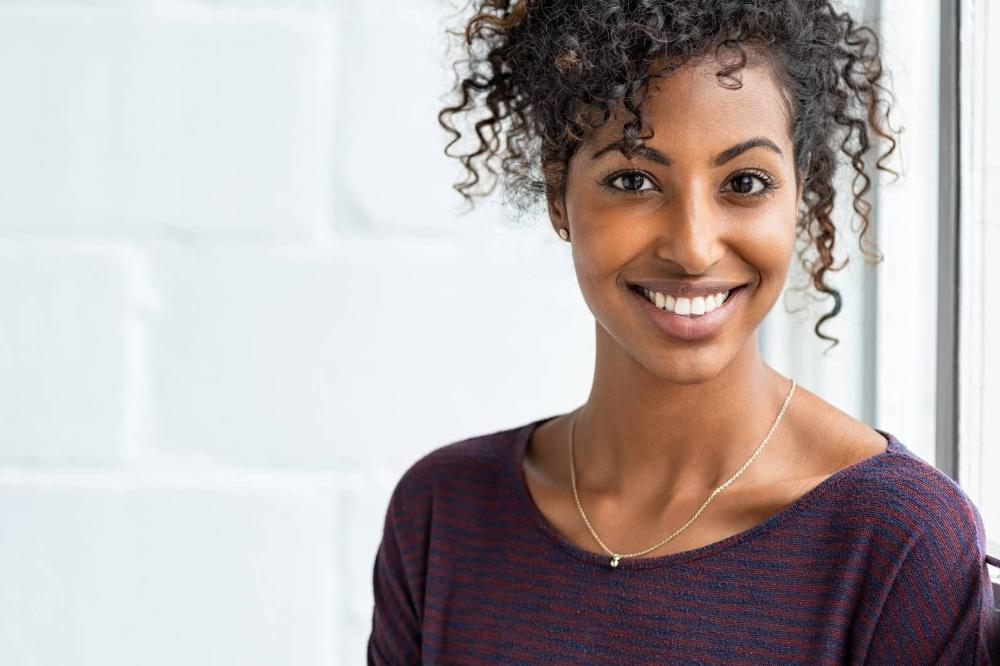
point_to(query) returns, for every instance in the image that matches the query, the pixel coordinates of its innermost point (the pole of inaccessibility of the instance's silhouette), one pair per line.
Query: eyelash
(770, 184)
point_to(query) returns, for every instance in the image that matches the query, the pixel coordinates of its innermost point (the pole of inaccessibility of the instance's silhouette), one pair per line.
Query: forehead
(692, 107)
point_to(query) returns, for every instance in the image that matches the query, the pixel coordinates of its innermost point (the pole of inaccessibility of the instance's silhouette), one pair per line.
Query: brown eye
(752, 184)
(743, 184)
(631, 182)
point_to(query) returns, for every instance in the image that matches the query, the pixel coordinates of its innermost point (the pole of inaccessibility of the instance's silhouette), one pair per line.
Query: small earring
(563, 233)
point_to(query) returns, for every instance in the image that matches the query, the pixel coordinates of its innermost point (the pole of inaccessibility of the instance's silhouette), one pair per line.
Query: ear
(557, 211)
(555, 200)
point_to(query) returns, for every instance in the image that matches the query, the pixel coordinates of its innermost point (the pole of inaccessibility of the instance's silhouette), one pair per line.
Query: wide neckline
(523, 436)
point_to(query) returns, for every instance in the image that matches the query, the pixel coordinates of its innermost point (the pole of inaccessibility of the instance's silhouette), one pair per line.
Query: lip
(688, 328)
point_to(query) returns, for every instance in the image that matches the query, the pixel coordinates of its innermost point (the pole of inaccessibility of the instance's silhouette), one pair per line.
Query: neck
(638, 436)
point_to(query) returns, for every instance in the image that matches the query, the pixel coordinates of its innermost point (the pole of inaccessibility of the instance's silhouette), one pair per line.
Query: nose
(690, 231)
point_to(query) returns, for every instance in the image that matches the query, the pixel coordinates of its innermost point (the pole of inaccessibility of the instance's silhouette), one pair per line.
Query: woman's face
(709, 208)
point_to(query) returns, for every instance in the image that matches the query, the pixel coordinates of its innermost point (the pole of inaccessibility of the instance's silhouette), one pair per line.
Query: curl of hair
(549, 72)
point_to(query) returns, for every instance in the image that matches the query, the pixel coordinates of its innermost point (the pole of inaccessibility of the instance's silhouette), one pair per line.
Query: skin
(667, 421)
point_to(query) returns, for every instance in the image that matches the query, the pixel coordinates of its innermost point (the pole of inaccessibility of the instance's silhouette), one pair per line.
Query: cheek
(606, 238)
(771, 255)
(766, 242)
(600, 250)
(771, 219)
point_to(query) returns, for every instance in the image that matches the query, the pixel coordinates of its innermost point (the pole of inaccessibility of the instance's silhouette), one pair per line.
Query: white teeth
(683, 305)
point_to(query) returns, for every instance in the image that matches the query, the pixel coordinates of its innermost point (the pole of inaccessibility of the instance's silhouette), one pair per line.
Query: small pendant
(614, 561)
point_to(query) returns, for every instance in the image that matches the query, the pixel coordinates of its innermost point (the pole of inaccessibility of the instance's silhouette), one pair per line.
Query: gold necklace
(616, 556)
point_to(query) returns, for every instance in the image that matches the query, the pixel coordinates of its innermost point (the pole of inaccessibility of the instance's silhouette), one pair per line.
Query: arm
(939, 608)
(395, 635)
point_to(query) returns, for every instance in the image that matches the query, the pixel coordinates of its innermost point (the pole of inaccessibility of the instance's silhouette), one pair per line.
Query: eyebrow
(656, 156)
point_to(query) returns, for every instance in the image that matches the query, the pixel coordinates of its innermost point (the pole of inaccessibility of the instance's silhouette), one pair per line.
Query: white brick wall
(233, 276)
(237, 302)
(190, 122)
(62, 352)
(186, 568)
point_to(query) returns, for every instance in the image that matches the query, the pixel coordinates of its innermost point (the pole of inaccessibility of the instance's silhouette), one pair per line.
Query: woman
(699, 507)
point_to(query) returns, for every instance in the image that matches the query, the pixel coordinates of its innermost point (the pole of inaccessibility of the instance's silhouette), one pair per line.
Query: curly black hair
(552, 71)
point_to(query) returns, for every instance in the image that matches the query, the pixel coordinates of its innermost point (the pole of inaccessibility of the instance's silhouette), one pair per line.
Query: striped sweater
(883, 562)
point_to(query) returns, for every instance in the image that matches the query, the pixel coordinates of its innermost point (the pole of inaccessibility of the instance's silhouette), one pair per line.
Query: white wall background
(238, 301)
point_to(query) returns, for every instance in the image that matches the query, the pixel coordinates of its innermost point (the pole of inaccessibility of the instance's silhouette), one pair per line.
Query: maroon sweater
(883, 562)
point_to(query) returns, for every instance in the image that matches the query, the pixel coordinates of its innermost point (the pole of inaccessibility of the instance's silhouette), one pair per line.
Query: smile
(694, 307)
(688, 318)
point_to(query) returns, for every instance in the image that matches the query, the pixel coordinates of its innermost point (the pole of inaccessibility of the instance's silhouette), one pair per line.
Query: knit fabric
(884, 562)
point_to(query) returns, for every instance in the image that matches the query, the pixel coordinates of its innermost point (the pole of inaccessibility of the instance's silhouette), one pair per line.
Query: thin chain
(618, 556)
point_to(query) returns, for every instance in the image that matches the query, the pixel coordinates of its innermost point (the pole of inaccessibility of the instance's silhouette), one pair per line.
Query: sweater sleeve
(395, 634)
(939, 608)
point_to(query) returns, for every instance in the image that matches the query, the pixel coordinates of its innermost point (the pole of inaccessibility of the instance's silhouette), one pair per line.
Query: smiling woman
(550, 77)
(681, 148)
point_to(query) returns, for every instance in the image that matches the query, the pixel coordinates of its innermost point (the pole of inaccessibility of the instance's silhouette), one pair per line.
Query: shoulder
(877, 484)
(908, 497)
(939, 568)
(924, 491)
(478, 461)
